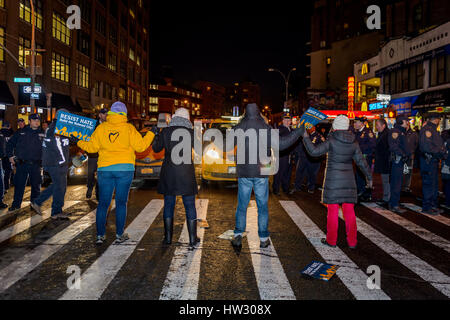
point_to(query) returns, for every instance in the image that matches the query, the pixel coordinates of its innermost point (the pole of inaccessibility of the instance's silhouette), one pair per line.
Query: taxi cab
(216, 164)
(148, 163)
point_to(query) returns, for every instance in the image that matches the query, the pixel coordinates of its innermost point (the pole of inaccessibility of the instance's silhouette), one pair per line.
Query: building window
(419, 76)
(131, 54)
(107, 91)
(84, 43)
(60, 67)
(25, 12)
(100, 53)
(138, 98)
(82, 79)
(123, 68)
(438, 73)
(2, 3)
(97, 88)
(112, 64)
(113, 34)
(100, 23)
(60, 30)
(85, 6)
(138, 61)
(123, 44)
(131, 74)
(2, 42)
(24, 46)
(122, 94)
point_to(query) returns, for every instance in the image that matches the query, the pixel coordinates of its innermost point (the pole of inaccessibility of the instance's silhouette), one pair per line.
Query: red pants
(333, 222)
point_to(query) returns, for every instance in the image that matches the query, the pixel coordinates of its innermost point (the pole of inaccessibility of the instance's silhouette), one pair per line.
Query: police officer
(412, 139)
(93, 159)
(283, 175)
(55, 160)
(7, 133)
(307, 165)
(432, 150)
(367, 143)
(400, 154)
(24, 150)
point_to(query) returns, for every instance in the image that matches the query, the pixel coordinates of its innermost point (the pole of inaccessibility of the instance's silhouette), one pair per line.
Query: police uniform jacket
(366, 140)
(26, 144)
(398, 145)
(430, 142)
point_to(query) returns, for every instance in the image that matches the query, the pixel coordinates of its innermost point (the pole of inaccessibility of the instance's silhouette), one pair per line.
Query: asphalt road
(412, 252)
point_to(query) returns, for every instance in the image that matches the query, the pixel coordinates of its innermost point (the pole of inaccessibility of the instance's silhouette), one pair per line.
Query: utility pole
(33, 55)
(286, 82)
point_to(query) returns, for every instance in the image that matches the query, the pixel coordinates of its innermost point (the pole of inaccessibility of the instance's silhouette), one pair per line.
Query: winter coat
(26, 144)
(116, 142)
(55, 149)
(382, 153)
(254, 120)
(341, 149)
(176, 179)
(412, 140)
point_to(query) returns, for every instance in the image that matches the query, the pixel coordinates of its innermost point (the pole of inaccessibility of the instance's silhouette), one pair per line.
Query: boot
(168, 230)
(192, 230)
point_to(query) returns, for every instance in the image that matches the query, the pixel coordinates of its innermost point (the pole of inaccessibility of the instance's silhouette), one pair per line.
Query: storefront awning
(6, 96)
(433, 99)
(62, 101)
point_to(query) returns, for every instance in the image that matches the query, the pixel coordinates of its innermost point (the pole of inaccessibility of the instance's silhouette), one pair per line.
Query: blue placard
(71, 124)
(312, 117)
(320, 270)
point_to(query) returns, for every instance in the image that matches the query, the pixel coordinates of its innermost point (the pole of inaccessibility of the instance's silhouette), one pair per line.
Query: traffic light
(392, 113)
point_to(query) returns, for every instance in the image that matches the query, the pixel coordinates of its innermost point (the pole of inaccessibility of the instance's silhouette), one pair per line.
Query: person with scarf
(178, 179)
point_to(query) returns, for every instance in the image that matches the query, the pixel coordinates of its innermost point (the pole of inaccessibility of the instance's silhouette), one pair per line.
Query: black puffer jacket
(254, 120)
(176, 179)
(341, 149)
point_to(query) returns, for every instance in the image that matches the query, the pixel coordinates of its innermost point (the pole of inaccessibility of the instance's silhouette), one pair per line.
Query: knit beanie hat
(119, 107)
(341, 123)
(182, 113)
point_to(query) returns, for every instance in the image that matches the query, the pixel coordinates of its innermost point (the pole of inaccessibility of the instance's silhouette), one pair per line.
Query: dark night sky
(229, 41)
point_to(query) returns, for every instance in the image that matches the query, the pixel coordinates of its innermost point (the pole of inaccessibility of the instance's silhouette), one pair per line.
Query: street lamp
(286, 80)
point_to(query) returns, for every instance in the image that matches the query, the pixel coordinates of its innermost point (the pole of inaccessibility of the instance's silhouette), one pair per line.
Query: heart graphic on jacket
(113, 136)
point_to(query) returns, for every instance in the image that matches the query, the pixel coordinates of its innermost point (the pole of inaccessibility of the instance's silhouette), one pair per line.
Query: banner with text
(312, 117)
(71, 124)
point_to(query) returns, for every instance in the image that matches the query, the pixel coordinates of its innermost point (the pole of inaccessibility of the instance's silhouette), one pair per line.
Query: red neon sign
(351, 93)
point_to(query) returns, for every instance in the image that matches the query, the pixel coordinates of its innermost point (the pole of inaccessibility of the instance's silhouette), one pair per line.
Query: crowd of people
(390, 153)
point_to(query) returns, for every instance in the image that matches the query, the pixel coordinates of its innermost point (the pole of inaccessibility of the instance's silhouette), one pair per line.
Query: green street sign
(22, 80)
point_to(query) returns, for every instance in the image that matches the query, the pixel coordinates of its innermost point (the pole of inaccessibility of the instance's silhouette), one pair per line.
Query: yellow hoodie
(116, 141)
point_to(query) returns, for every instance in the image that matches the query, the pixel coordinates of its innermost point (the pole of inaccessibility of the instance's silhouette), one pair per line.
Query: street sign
(37, 89)
(2, 107)
(34, 96)
(22, 80)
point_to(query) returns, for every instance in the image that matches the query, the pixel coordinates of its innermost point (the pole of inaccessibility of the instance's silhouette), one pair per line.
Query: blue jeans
(261, 188)
(108, 181)
(57, 189)
(189, 206)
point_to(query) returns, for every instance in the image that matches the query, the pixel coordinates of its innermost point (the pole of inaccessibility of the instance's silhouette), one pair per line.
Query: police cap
(434, 115)
(104, 111)
(34, 116)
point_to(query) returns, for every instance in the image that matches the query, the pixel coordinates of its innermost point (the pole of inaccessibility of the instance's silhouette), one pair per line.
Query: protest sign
(312, 117)
(320, 270)
(71, 124)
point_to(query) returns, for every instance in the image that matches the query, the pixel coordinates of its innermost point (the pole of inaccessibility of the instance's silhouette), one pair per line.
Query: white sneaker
(36, 208)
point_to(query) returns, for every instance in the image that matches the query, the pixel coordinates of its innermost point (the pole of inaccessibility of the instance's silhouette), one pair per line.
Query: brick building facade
(83, 70)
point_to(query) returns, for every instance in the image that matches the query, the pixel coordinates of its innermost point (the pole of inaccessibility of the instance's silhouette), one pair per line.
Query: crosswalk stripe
(349, 273)
(436, 278)
(21, 267)
(410, 226)
(98, 276)
(184, 272)
(30, 222)
(416, 208)
(77, 189)
(270, 276)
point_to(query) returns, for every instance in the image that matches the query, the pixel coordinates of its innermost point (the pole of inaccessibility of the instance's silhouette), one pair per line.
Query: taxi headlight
(213, 154)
